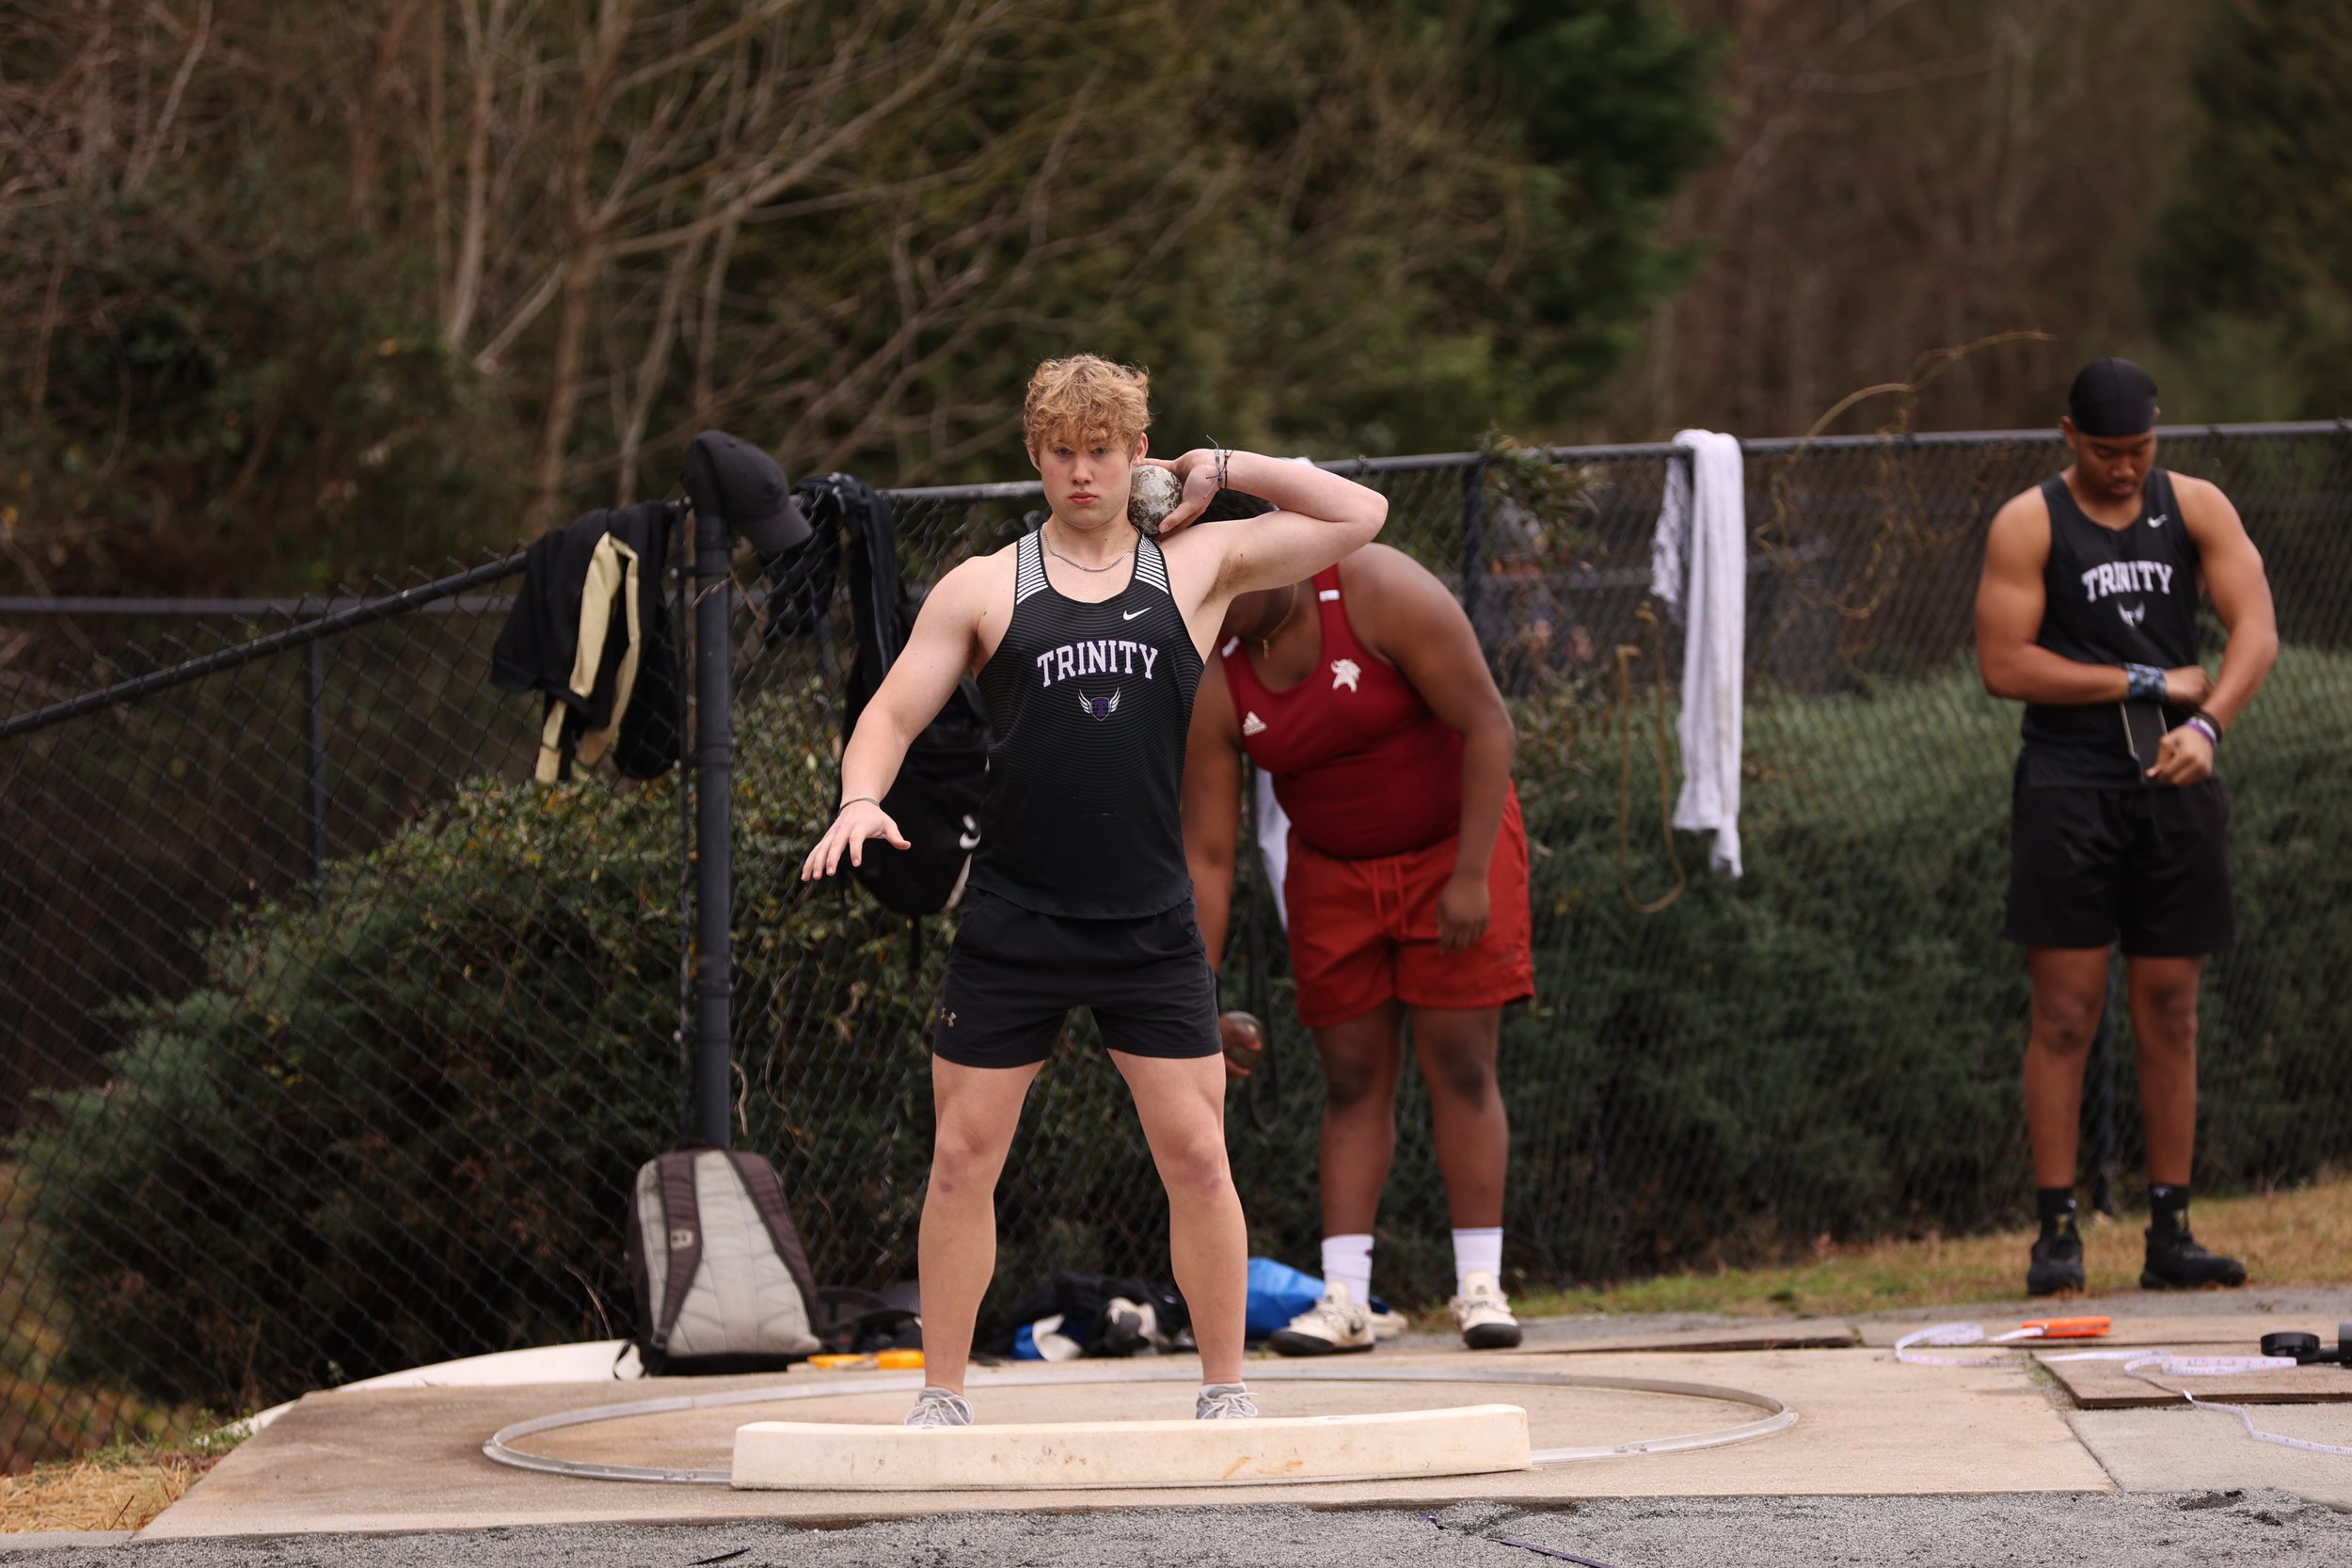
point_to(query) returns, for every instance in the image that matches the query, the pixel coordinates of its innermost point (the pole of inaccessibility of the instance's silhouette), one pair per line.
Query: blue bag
(1277, 1293)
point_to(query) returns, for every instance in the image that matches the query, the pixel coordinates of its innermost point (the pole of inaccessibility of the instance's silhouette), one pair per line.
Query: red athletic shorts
(1363, 931)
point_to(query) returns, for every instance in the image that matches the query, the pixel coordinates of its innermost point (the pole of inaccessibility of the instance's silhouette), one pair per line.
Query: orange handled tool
(2069, 1328)
(887, 1361)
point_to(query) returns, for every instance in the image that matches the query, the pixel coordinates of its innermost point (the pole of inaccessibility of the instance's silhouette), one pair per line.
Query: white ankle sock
(1477, 1252)
(1347, 1260)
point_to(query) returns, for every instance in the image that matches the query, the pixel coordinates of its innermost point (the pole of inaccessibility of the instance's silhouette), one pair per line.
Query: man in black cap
(2087, 612)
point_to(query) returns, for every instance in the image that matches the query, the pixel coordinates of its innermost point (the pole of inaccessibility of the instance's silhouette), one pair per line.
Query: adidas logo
(1252, 724)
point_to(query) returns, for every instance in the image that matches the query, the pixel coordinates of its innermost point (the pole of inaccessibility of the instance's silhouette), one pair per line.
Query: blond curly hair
(1087, 400)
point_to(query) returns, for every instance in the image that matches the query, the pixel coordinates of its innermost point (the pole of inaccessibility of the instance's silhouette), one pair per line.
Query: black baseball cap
(2112, 398)
(729, 478)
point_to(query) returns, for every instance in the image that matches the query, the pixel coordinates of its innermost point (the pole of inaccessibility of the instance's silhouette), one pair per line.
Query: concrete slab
(2181, 1450)
(2105, 1386)
(410, 1459)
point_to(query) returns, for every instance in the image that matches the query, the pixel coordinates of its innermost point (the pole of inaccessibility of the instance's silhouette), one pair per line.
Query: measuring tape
(2143, 1365)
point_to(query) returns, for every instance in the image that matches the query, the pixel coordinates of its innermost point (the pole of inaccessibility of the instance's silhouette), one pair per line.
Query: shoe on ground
(2176, 1262)
(1484, 1316)
(2057, 1265)
(939, 1407)
(1334, 1325)
(1386, 1322)
(1224, 1402)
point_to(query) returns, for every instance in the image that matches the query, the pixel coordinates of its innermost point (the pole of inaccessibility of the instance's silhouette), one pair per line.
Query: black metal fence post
(315, 756)
(1473, 535)
(2102, 1105)
(714, 784)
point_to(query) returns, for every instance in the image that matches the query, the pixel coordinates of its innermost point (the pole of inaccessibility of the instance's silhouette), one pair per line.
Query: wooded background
(294, 291)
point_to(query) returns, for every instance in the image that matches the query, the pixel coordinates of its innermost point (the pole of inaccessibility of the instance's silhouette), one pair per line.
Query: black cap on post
(732, 480)
(2112, 398)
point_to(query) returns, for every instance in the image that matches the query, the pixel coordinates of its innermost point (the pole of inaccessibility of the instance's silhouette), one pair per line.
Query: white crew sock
(1477, 1252)
(1347, 1260)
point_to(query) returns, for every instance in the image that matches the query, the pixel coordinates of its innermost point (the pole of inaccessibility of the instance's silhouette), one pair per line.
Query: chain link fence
(336, 1039)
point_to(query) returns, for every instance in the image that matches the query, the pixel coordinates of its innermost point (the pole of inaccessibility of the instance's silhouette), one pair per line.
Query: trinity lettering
(1096, 656)
(2127, 577)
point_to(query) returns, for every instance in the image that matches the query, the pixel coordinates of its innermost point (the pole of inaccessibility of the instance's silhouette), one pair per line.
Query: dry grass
(105, 1492)
(2302, 1237)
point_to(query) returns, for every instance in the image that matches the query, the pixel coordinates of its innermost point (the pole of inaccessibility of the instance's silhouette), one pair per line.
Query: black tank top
(1089, 704)
(2124, 596)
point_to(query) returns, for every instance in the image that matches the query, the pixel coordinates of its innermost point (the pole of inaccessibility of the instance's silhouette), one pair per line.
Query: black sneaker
(2056, 1268)
(2176, 1262)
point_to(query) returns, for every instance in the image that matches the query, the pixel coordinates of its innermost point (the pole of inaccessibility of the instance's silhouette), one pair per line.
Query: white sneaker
(939, 1407)
(1484, 1316)
(1330, 1326)
(1387, 1322)
(1224, 1402)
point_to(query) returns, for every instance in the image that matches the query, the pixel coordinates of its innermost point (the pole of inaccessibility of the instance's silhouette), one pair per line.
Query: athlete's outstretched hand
(1196, 474)
(2183, 758)
(858, 821)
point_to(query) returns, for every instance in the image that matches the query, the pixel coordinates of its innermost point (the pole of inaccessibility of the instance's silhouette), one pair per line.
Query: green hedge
(399, 1126)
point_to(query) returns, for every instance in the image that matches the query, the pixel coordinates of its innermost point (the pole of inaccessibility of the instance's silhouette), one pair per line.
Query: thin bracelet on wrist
(853, 800)
(2202, 723)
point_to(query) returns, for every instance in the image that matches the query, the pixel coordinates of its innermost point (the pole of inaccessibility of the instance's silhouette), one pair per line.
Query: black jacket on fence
(591, 629)
(936, 798)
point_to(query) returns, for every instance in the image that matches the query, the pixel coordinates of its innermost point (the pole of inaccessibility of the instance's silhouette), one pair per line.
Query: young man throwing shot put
(2087, 612)
(1088, 641)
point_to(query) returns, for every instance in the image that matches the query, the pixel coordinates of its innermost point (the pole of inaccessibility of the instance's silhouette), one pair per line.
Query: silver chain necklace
(1106, 566)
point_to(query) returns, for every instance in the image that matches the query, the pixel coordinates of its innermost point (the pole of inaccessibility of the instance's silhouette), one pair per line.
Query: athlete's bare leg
(1362, 1059)
(976, 1110)
(2069, 986)
(2163, 997)
(1180, 1102)
(1472, 1132)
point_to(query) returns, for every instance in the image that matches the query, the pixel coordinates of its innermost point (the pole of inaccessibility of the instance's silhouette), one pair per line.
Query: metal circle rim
(1778, 1417)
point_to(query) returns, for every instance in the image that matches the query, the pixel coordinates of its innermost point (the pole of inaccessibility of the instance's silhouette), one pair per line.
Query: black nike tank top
(1089, 704)
(2124, 596)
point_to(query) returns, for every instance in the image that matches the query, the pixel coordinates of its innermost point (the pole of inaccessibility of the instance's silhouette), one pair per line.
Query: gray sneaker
(939, 1407)
(1224, 1402)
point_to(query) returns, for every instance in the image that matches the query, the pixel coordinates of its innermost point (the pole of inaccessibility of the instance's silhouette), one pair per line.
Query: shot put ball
(1245, 1039)
(1151, 495)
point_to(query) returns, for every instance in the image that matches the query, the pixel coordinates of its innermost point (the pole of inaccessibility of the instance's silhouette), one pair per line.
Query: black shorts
(2151, 866)
(1014, 975)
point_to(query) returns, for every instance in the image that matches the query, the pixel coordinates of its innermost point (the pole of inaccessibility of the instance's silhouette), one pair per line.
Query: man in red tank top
(1364, 696)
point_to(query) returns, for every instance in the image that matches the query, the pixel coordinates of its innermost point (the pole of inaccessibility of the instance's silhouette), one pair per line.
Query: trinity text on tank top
(2113, 597)
(1089, 704)
(1358, 761)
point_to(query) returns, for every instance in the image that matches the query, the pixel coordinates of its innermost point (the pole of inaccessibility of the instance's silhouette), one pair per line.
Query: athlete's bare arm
(1318, 518)
(2232, 570)
(961, 620)
(2009, 603)
(1212, 806)
(1408, 618)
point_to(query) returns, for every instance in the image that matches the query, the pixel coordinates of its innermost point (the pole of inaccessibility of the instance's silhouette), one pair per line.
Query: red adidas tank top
(1357, 759)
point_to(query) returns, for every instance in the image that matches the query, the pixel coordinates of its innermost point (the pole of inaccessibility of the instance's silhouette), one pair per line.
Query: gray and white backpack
(722, 1280)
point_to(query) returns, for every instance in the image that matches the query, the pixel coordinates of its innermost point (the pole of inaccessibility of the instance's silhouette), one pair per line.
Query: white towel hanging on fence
(1703, 541)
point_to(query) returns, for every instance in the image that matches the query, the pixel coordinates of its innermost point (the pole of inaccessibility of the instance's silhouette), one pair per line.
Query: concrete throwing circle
(1776, 1417)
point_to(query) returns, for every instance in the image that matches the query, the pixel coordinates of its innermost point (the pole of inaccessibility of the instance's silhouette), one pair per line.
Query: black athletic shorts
(2151, 866)
(1014, 975)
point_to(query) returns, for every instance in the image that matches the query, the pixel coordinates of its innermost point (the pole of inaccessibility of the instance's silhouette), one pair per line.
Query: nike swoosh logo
(1131, 615)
